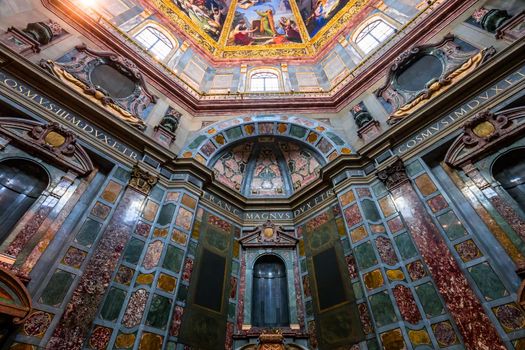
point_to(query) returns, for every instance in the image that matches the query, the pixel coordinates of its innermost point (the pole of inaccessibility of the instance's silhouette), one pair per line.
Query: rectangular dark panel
(211, 280)
(329, 284)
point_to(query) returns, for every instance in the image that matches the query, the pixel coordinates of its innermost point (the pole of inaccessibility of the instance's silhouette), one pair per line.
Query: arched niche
(271, 166)
(269, 242)
(22, 181)
(270, 293)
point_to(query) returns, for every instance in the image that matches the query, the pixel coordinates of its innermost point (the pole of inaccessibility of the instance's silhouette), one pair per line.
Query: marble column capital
(142, 179)
(394, 175)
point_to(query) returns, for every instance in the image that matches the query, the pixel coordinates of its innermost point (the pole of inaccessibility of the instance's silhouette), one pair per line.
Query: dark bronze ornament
(394, 175)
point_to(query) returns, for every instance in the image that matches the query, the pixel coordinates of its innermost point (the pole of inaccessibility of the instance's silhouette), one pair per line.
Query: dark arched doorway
(509, 171)
(21, 183)
(270, 293)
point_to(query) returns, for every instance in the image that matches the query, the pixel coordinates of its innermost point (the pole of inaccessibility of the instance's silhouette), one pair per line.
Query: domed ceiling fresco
(261, 28)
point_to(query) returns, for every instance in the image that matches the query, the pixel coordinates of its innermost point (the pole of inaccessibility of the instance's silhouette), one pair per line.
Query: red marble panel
(233, 287)
(135, 309)
(99, 339)
(219, 223)
(352, 215)
(153, 255)
(298, 296)
(445, 334)
(406, 303)
(395, 224)
(37, 324)
(142, 229)
(386, 251)
(364, 192)
(352, 266)
(31, 228)
(366, 322)
(176, 320)
(83, 305)
(316, 222)
(477, 331)
(416, 270)
(437, 203)
(229, 336)
(242, 290)
(187, 270)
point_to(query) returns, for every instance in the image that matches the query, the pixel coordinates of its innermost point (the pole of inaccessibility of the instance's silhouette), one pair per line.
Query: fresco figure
(267, 24)
(290, 29)
(241, 35)
(263, 22)
(209, 15)
(317, 13)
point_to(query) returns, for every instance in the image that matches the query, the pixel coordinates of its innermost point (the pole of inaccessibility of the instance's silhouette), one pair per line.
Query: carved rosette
(142, 180)
(55, 138)
(394, 175)
(484, 128)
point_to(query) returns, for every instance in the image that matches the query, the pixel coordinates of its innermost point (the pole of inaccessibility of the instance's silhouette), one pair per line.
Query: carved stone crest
(268, 234)
(53, 141)
(55, 138)
(484, 132)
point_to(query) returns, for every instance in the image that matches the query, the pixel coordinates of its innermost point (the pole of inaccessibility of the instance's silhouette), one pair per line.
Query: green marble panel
(488, 282)
(88, 233)
(113, 304)
(382, 309)
(309, 307)
(303, 265)
(346, 246)
(57, 288)
(297, 131)
(405, 246)
(195, 143)
(370, 210)
(159, 312)
(452, 226)
(358, 291)
(173, 259)
(192, 248)
(234, 133)
(372, 344)
(166, 214)
(365, 255)
(430, 300)
(182, 294)
(157, 193)
(231, 311)
(379, 189)
(122, 174)
(133, 251)
(414, 168)
(235, 268)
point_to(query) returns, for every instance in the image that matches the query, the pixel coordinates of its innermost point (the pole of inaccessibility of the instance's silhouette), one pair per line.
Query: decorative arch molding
(51, 141)
(213, 139)
(483, 133)
(15, 301)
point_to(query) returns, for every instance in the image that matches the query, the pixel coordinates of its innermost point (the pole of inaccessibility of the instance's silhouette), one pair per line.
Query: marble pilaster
(83, 305)
(472, 321)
